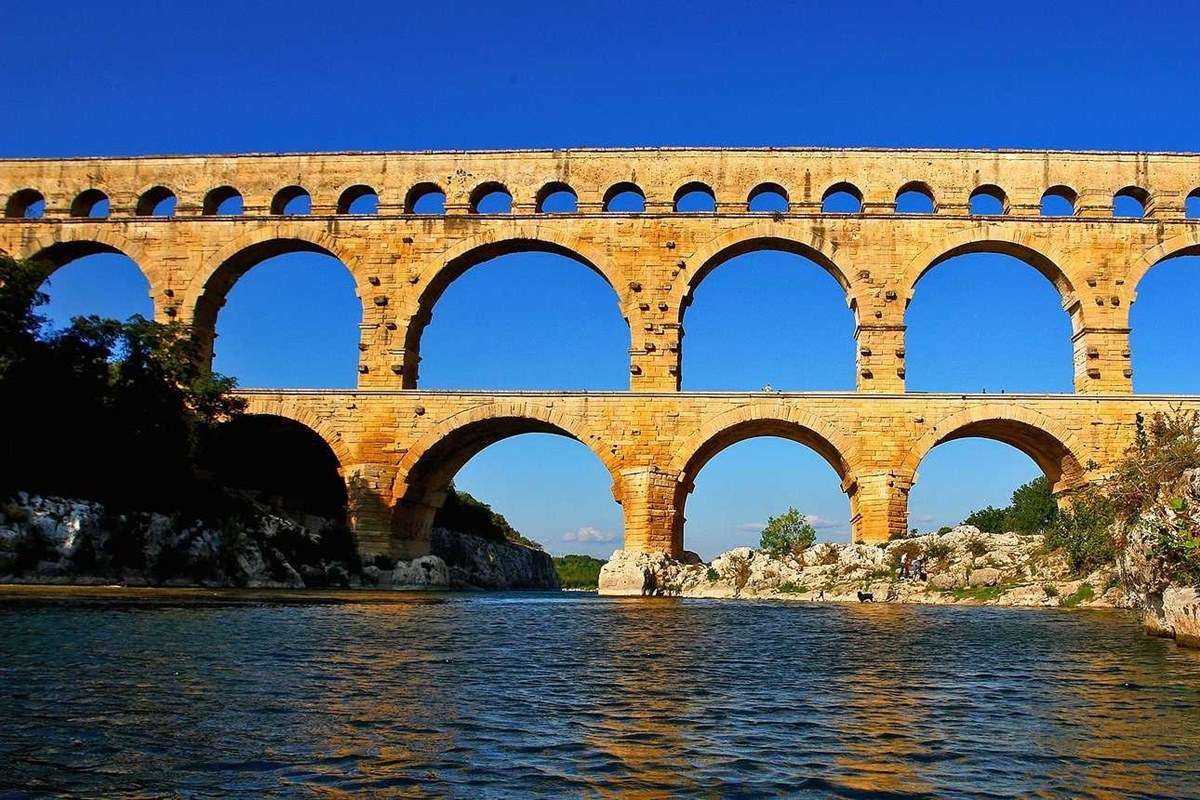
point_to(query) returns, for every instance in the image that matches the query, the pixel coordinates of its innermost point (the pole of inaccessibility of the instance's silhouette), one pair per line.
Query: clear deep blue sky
(171, 78)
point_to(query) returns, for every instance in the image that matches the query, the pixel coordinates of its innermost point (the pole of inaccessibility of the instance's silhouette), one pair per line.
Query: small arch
(1131, 202)
(291, 201)
(491, 198)
(842, 198)
(915, 197)
(358, 199)
(556, 198)
(988, 200)
(25, 204)
(1059, 201)
(1191, 206)
(224, 201)
(625, 198)
(425, 198)
(158, 201)
(695, 198)
(769, 198)
(90, 204)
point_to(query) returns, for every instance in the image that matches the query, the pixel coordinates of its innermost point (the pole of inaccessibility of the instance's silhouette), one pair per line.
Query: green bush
(976, 546)
(1032, 510)
(790, 587)
(1084, 532)
(577, 571)
(944, 529)
(712, 575)
(462, 513)
(937, 550)
(788, 534)
(1084, 593)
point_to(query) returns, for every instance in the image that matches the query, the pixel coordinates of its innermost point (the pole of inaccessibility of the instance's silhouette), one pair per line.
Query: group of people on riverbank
(912, 568)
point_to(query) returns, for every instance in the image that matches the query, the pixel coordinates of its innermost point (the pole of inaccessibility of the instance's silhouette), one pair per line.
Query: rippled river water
(522, 695)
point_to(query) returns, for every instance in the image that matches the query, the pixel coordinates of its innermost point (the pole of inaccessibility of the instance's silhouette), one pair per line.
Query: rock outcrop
(1147, 569)
(56, 540)
(963, 565)
(487, 564)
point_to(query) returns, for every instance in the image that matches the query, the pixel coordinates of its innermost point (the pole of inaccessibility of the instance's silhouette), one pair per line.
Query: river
(560, 695)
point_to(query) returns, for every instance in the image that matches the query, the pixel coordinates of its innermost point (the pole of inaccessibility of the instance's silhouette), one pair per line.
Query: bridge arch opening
(1131, 202)
(90, 204)
(751, 470)
(1161, 342)
(988, 200)
(89, 277)
(158, 201)
(768, 198)
(695, 198)
(281, 313)
(540, 474)
(556, 198)
(1059, 201)
(1191, 206)
(962, 334)
(968, 466)
(491, 198)
(291, 201)
(787, 304)
(425, 198)
(625, 198)
(915, 197)
(519, 314)
(223, 201)
(358, 199)
(285, 465)
(842, 198)
(25, 204)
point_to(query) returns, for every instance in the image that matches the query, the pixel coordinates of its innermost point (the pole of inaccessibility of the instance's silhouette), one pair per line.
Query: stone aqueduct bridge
(399, 446)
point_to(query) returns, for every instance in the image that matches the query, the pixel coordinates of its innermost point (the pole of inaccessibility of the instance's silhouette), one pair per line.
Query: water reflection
(565, 695)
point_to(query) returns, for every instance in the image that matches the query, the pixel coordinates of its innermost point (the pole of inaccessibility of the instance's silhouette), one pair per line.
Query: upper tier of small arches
(689, 193)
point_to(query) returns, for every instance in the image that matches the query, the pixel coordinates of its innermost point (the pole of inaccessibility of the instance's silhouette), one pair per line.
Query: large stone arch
(754, 237)
(302, 413)
(424, 472)
(997, 239)
(1184, 244)
(519, 236)
(748, 422)
(208, 288)
(67, 243)
(1052, 447)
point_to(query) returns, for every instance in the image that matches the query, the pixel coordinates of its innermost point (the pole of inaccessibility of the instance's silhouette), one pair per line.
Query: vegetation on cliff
(112, 411)
(577, 571)
(789, 533)
(463, 513)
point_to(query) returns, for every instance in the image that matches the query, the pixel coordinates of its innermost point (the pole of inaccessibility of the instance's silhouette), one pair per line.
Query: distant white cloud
(816, 520)
(925, 518)
(588, 534)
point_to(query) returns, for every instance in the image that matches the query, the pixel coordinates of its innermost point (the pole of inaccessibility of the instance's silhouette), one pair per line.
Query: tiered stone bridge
(399, 446)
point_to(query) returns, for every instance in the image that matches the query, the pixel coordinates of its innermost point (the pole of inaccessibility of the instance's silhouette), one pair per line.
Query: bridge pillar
(1102, 361)
(880, 357)
(654, 358)
(653, 516)
(369, 515)
(878, 506)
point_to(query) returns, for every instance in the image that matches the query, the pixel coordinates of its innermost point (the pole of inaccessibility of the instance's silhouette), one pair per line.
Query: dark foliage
(1033, 510)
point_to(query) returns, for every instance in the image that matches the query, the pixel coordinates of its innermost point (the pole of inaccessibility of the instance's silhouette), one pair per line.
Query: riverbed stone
(988, 576)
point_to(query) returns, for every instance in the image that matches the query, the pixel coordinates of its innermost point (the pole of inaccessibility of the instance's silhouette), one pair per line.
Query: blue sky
(151, 78)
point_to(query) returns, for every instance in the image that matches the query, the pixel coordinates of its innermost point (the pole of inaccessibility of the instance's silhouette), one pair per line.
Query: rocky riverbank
(961, 566)
(50, 540)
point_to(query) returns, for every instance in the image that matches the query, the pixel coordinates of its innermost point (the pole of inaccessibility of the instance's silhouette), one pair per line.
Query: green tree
(1033, 510)
(789, 533)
